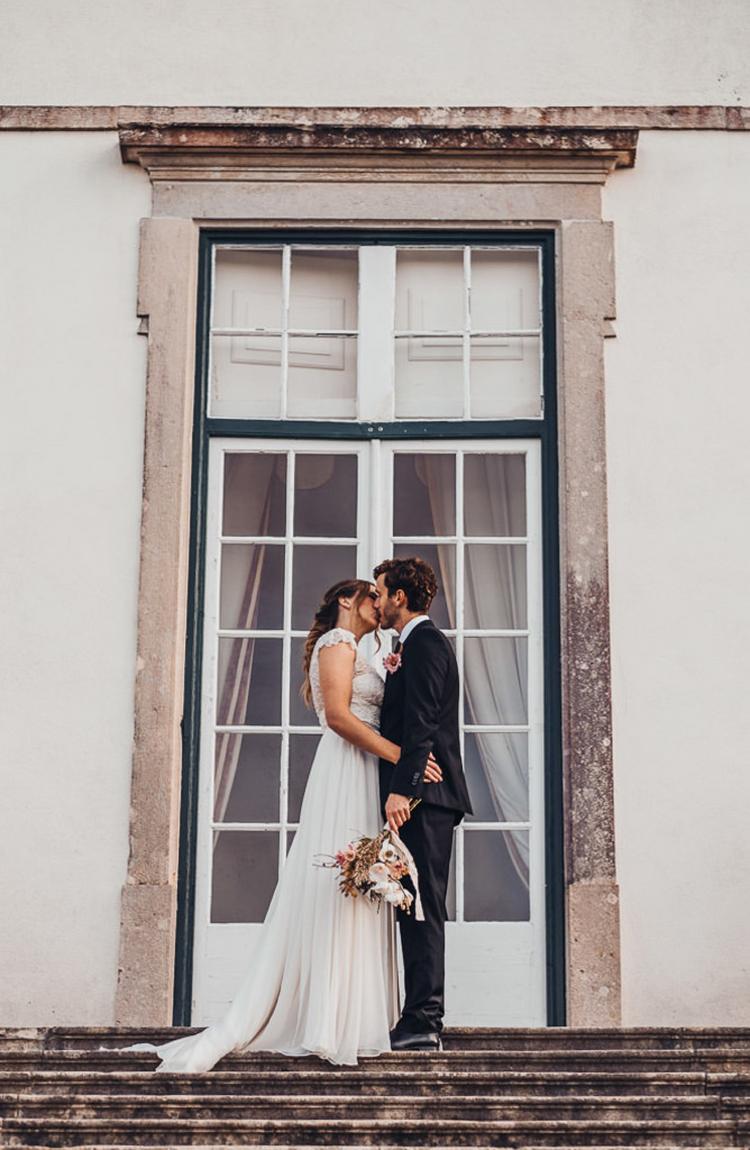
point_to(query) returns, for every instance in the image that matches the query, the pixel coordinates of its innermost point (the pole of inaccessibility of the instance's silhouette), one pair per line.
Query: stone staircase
(554, 1087)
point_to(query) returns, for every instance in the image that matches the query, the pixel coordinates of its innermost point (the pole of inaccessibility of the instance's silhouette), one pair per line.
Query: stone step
(304, 1107)
(662, 1088)
(391, 1146)
(714, 1060)
(347, 1132)
(377, 1081)
(459, 1039)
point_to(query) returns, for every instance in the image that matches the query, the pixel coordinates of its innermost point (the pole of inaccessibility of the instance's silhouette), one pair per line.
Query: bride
(323, 978)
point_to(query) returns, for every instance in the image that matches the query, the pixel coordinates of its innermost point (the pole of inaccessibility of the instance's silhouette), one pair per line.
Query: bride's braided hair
(325, 620)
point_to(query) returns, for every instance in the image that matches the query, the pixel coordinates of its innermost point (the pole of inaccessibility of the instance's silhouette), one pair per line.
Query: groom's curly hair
(412, 576)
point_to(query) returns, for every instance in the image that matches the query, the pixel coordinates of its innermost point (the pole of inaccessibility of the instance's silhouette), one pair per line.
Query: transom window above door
(376, 332)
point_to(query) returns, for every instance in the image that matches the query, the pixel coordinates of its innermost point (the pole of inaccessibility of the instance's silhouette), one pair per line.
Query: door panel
(473, 511)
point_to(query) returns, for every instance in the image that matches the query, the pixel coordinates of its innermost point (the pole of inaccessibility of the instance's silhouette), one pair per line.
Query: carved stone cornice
(398, 149)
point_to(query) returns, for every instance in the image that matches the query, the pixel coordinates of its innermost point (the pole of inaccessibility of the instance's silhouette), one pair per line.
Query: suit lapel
(427, 623)
(393, 680)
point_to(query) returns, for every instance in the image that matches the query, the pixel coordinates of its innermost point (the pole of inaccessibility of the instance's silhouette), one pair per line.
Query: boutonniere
(392, 662)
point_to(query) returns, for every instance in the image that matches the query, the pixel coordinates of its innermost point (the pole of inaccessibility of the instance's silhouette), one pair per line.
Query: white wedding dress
(323, 978)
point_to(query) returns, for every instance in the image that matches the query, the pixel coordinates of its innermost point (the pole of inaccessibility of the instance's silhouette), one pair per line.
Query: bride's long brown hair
(325, 620)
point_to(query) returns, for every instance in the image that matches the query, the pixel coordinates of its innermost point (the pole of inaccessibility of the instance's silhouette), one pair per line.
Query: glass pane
(249, 686)
(495, 585)
(247, 289)
(322, 376)
(325, 495)
(424, 494)
(323, 290)
(254, 493)
(246, 778)
(429, 377)
(245, 869)
(302, 750)
(316, 568)
(496, 876)
(495, 678)
(504, 290)
(505, 371)
(497, 773)
(245, 377)
(299, 714)
(252, 586)
(430, 290)
(505, 377)
(442, 559)
(494, 494)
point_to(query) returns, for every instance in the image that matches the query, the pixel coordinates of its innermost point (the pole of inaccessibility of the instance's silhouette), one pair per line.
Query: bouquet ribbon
(414, 876)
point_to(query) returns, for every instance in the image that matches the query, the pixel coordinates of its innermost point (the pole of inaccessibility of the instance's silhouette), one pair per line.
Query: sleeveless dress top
(367, 685)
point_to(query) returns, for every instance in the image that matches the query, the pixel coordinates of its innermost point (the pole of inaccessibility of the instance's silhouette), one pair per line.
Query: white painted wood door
(285, 519)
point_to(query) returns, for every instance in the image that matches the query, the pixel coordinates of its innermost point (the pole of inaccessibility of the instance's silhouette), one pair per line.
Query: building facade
(266, 325)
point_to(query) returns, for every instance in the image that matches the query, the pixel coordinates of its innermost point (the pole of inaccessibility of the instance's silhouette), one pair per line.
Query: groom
(420, 713)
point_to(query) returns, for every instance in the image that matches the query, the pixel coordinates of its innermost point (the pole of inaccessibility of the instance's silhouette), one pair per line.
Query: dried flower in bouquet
(374, 868)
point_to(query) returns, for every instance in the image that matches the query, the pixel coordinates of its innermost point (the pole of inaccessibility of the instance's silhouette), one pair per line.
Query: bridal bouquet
(374, 867)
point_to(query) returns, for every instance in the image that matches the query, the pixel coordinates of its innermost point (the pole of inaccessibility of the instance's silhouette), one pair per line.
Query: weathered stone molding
(188, 151)
(291, 177)
(679, 117)
(167, 301)
(230, 172)
(586, 307)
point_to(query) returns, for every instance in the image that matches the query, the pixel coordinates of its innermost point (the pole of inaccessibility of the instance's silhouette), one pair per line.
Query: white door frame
(495, 971)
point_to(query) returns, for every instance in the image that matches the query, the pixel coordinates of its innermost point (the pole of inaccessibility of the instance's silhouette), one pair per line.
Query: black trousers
(429, 836)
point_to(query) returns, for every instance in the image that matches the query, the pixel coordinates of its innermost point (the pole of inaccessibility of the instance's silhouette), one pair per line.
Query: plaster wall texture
(678, 408)
(426, 52)
(71, 458)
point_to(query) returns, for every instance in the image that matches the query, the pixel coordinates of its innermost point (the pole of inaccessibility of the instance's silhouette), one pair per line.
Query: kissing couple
(323, 979)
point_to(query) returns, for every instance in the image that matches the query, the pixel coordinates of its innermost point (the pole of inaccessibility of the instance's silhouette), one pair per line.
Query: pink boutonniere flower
(392, 662)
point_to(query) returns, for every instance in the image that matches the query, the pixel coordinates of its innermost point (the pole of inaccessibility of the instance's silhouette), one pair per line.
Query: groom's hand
(397, 811)
(432, 772)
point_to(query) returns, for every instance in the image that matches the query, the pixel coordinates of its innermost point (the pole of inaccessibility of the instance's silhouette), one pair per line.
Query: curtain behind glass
(233, 692)
(495, 678)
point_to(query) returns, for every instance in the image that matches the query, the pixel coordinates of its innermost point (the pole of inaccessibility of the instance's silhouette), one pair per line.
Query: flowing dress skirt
(322, 979)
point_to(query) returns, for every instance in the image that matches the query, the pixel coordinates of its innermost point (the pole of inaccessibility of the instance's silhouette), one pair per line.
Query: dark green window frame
(544, 429)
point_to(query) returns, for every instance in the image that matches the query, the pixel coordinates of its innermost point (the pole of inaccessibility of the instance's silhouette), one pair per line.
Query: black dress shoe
(403, 1040)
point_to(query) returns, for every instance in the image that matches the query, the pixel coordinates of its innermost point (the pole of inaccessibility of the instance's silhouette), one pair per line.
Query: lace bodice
(367, 686)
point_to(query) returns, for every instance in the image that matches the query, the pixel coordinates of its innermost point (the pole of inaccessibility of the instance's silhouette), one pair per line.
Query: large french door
(285, 519)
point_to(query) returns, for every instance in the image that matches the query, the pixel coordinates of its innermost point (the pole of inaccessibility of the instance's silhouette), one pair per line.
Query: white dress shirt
(407, 630)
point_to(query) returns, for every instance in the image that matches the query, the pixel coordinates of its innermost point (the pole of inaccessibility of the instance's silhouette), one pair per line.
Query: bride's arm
(336, 666)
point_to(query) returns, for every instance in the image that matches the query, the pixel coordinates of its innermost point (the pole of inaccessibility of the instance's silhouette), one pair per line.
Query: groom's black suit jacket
(420, 713)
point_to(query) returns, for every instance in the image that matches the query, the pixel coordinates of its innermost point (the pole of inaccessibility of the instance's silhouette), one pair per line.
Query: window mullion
(467, 333)
(286, 284)
(375, 350)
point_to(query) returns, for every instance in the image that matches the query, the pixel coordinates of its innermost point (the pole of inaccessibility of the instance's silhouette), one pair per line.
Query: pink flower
(392, 662)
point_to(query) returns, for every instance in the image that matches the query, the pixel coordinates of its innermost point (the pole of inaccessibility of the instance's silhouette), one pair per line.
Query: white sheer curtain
(248, 490)
(495, 672)
(240, 598)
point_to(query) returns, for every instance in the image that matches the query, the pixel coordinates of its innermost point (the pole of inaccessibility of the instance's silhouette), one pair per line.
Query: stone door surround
(372, 168)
